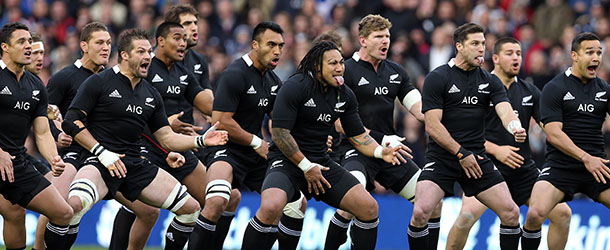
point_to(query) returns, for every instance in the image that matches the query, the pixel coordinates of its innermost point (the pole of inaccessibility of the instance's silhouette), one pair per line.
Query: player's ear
(124, 55)
(84, 46)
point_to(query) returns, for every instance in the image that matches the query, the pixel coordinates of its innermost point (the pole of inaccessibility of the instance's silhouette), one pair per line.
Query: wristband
(378, 152)
(512, 125)
(97, 149)
(256, 142)
(463, 153)
(305, 165)
(200, 139)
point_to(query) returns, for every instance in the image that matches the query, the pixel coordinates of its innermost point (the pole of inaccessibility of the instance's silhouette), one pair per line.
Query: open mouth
(339, 79)
(144, 66)
(592, 68)
(515, 65)
(195, 36)
(275, 61)
(28, 53)
(384, 51)
(180, 52)
(39, 65)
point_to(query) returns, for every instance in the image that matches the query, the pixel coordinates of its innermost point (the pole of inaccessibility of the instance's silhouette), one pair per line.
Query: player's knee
(218, 194)
(420, 215)
(234, 200)
(465, 220)
(561, 214)
(148, 215)
(83, 194)
(367, 210)
(179, 201)
(511, 215)
(272, 208)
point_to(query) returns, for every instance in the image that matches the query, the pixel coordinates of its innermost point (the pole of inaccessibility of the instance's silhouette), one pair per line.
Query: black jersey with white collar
(581, 108)
(117, 113)
(177, 87)
(248, 94)
(524, 97)
(21, 101)
(310, 113)
(464, 97)
(196, 63)
(377, 90)
(63, 85)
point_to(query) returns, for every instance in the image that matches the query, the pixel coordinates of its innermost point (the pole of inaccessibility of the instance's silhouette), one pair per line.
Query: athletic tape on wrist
(512, 125)
(305, 165)
(256, 142)
(378, 152)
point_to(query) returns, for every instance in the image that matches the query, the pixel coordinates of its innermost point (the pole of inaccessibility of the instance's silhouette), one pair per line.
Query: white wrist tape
(106, 157)
(512, 125)
(411, 98)
(200, 139)
(378, 152)
(306, 165)
(394, 140)
(256, 142)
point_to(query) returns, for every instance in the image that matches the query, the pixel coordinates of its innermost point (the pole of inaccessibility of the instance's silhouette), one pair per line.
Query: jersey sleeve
(41, 108)
(405, 84)
(551, 104)
(433, 93)
(229, 90)
(286, 106)
(87, 94)
(350, 119)
(56, 89)
(158, 119)
(192, 89)
(536, 99)
(498, 92)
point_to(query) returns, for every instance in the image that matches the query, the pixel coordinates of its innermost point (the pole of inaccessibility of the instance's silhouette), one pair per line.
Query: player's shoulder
(33, 79)
(527, 85)
(63, 75)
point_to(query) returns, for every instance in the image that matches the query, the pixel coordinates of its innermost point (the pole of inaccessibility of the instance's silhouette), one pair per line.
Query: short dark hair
(262, 27)
(329, 36)
(126, 39)
(8, 29)
(174, 12)
(502, 41)
(461, 33)
(164, 28)
(585, 36)
(36, 37)
(88, 30)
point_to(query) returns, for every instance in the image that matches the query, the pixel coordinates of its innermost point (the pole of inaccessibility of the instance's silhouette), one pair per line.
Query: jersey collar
(356, 56)
(247, 60)
(568, 72)
(451, 63)
(2, 64)
(78, 63)
(116, 69)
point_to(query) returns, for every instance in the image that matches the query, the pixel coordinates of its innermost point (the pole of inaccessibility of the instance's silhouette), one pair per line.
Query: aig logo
(22, 105)
(587, 107)
(173, 89)
(381, 90)
(134, 109)
(263, 102)
(470, 100)
(324, 118)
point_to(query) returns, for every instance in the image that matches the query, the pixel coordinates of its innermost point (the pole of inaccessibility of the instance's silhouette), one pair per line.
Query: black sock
(55, 236)
(257, 235)
(203, 234)
(289, 232)
(509, 237)
(271, 237)
(434, 226)
(530, 239)
(177, 234)
(364, 234)
(418, 237)
(21, 248)
(120, 230)
(71, 236)
(222, 229)
(337, 232)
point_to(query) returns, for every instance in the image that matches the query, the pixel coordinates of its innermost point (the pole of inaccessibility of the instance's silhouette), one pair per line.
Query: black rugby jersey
(464, 97)
(177, 87)
(196, 63)
(376, 91)
(20, 103)
(310, 114)
(117, 113)
(582, 109)
(243, 90)
(524, 97)
(63, 85)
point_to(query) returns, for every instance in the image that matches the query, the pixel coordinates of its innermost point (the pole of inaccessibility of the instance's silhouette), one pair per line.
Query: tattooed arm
(286, 143)
(365, 144)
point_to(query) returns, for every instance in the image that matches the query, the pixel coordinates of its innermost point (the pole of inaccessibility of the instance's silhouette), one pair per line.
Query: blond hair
(372, 23)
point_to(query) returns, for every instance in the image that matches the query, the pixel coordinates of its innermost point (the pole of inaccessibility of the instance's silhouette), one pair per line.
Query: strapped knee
(359, 176)
(293, 209)
(188, 218)
(176, 199)
(86, 191)
(408, 191)
(220, 188)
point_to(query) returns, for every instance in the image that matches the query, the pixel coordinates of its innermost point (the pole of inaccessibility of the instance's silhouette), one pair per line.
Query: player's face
(189, 22)
(509, 59)
(139, 58)
(37, 57)
(473, 49)
(175, 44)
(269, 48)
(19, 48)
(377, 44)
(332, 68)
(98, 47)
(588, 58)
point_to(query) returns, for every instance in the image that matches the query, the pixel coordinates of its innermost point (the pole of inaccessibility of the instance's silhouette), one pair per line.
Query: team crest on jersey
(274, 90)
(483, 88)
(197, 69)
(35, 95)
(276, 164)
(599, 95)
(351, 153)
(395, 78)
(183, 79)
(149, 102)
(338, 106)
(526, 101)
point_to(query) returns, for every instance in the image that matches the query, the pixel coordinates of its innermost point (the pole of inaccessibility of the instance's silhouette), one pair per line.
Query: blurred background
(421, 35)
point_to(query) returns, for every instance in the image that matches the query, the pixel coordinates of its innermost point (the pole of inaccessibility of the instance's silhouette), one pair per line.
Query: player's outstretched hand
(213, 137)
(64, 140)
(396, 155)
(182, 127)
(175, 160)
(471, 167)
(112, 161)
(57, 166)
(6, 166)
(315, 179)
(508, 156)
(597, 167)
(520, 134)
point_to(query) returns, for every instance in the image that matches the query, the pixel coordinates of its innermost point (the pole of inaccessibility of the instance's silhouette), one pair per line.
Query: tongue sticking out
(481, 59)
(339, 80)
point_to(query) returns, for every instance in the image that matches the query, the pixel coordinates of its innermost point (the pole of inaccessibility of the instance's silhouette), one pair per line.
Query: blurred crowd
(421, 33)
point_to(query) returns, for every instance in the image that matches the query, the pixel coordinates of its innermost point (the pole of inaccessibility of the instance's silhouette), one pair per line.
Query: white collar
(451, 62)
(247, 59)
(568, 71)
(2, 64)
(116, 69)
(356, 56)
(78, 63)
